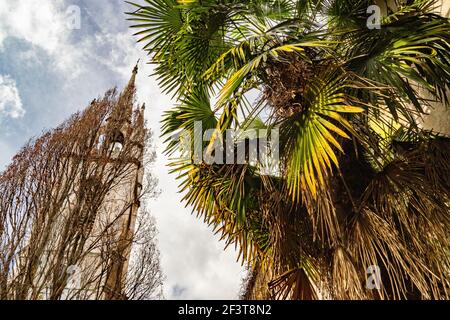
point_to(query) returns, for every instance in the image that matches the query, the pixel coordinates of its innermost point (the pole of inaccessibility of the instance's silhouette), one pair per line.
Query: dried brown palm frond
(347, 281)
(324, 214)
(256, 285)
(295, 284)
(372, 241)
(415, 205)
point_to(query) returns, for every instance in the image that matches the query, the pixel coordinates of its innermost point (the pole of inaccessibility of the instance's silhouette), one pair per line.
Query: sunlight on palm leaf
(309, 138)
(359, 183)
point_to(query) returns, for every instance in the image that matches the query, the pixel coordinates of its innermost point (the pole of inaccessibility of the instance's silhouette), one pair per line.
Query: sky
(52, 65)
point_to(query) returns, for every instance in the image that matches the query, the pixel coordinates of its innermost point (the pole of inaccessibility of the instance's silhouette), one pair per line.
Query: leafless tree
(70, 223)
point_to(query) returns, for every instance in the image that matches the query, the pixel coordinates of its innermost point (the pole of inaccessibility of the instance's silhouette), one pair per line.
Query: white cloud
(42, 23)
(10, 102)
(46, 24)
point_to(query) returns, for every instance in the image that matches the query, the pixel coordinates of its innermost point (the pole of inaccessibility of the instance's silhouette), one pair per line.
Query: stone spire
(121, 118)
(123, 111)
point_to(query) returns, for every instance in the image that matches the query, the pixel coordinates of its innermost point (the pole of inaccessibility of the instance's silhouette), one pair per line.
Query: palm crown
(359, 183)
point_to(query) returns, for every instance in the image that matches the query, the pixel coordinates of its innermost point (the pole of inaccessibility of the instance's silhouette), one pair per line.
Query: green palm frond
(401, 61)
(160, 20)
(225, 198)
(182, 41)
(235, 81)
(310, 137)
(244, 66)
(194, 108)
(358, 182)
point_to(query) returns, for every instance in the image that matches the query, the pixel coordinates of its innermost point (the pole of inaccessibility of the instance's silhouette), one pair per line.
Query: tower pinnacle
(132, 81)
(123, 111)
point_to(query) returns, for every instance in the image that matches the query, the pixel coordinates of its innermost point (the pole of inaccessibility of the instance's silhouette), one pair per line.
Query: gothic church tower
(118, 135)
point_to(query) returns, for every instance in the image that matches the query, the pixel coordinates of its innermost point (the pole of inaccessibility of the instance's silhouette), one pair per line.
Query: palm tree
(359, 184)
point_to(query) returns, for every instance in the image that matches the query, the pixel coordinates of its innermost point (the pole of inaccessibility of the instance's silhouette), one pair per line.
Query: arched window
(117, 147)
(117, 141)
